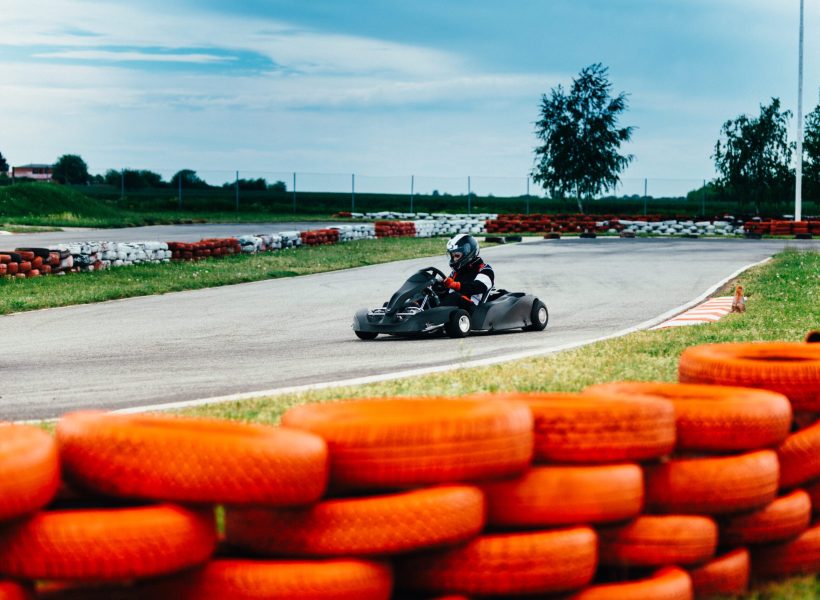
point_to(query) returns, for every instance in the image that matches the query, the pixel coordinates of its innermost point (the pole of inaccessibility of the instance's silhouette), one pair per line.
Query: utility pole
(798, 183)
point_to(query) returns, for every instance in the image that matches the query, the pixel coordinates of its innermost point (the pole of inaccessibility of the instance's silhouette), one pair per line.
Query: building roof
(34, 166)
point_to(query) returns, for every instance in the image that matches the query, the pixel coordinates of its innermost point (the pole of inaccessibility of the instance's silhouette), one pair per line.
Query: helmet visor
(456, 255)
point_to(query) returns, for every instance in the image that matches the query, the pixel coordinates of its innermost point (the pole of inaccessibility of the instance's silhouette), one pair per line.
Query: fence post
(122, 184)
(469, 196)
(528, 194)
(237, 190)
(703, 200)
(644, 196)
(352, 192)
(412, 190)
(294, 192)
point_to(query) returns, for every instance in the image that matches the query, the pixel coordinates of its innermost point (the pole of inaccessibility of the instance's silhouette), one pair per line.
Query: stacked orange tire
(29, 470)
(597, 428)
(10, 590)
(800, 555)
(341, 579)
(656, 541)
(784, 518)
(411, 442)
(713, 485)
(566, 495)
(191, 460)
(669, 583)
(388, 524)
(793, 369)
(799, 457)
(106, 545)
(513, 563)
(713, 418)
(725, 575)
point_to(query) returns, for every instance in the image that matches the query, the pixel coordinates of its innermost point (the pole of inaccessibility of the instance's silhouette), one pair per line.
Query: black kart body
(415, 309)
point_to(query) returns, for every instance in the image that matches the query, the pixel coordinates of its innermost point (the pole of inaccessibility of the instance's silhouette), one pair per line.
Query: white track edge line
(439, 369)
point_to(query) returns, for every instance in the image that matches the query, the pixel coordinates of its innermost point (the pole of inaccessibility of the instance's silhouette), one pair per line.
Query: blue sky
(384, 89)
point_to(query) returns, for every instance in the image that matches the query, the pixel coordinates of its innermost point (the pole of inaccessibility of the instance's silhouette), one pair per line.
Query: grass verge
(17, 295)
(783, 299)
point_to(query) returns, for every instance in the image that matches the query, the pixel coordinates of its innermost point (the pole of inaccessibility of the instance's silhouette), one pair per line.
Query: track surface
(295, 331)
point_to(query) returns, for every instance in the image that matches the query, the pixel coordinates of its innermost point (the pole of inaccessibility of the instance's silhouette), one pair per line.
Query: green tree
(189, 178)
(278, 186)
(753, 156)
(71, 169)
(4, 165)
(580, 138)
(811, 150)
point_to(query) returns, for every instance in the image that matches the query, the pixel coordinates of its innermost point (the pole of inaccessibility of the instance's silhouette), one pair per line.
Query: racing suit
(476, 280)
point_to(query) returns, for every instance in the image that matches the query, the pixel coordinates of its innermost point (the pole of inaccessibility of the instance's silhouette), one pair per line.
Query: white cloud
(115, 56)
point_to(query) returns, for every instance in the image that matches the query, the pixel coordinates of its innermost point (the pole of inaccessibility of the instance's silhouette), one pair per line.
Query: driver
(471, 278)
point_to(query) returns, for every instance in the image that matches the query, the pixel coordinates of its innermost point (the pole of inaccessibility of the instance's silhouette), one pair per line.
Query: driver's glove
(452, 284)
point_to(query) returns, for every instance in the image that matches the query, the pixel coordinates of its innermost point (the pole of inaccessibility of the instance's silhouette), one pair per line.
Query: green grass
(17, 295)
(782, 305)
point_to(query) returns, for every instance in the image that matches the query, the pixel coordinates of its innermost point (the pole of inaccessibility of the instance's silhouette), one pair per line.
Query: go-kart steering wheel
(437, 286)
(435, 271)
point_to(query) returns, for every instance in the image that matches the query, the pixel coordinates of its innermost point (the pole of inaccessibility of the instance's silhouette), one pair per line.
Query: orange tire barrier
(799, 457)
(405, 442)
(566, 495)
(785, 518)
(793, 369)
(10, 590)
(596, 428)
(713, 485)
(105, 545)
(342, 579)
(716, 418)
(191, 460)
(669, 583)
(512, 563)
(656, 541)
(29, 470)
(797, 556)
(726, 575)
(387, 524)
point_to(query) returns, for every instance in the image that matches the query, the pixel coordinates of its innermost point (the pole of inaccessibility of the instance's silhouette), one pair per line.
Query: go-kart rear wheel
(539, 316)
(366, 335)
(459, 324)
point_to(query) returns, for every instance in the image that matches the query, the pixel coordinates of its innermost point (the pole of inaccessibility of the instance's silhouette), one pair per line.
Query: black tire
(539, 317)
(459, 324)
(366, 335)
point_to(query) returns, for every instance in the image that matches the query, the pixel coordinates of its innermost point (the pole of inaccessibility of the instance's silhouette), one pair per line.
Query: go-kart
(415, 309)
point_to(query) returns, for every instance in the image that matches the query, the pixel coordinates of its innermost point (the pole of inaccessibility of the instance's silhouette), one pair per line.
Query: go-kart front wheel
(459, 324)
(538, 317)
(366, 335)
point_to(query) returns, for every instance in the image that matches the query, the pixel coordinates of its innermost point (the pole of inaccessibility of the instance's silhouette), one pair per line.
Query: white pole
(798, 184)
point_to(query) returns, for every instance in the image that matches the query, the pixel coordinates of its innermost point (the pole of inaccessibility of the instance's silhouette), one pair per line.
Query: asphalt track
(293, 332)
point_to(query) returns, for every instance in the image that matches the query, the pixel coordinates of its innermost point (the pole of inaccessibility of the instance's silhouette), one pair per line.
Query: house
(33, 171)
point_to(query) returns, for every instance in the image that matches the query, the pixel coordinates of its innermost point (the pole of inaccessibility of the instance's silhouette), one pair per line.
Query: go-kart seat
(493, 294)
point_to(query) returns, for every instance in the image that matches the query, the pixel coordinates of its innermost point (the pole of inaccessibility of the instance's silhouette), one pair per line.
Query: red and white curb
(710, 311)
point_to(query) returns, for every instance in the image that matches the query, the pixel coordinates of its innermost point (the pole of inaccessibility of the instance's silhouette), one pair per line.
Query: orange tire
(410, 442)
(793, 369)
(10, 590)
(342, 579)
(784, 518)
(105, 545)
(669, 583)
(713, 485)
(656, 541)
(796, 556)
(725, 575)
(799, 457)
(520, 563)
(29, 470)
(191, 460)
(388, 524)
(714, 418)
(597, 428)
(566, 495)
